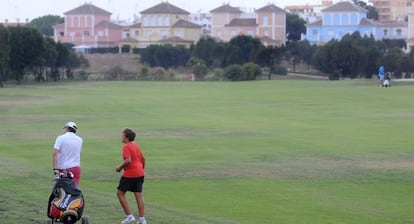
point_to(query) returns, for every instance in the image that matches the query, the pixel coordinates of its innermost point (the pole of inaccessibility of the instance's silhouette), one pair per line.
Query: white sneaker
(128, 219)
(142, 221)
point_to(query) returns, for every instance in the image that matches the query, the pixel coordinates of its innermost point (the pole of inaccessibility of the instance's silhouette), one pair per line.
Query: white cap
(71, 124)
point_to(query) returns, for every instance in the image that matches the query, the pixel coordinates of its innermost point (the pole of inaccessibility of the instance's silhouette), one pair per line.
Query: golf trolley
(66, 201)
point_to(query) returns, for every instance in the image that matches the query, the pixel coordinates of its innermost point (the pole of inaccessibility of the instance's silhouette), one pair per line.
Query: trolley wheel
(85, 220)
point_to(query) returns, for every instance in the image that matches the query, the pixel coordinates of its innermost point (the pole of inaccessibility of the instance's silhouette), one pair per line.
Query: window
(336, 20)
(179, 33)
(86, 21)
(385, 32)
(153, 21)
(164, 34)
(250, 33)
(315, 32)
(72, 34)
(233, 33)
(327, 20)
(167, 21)
(398, 31)
(266, 33)
(160, 21)
(345, 20)
(100, 34)
(136, 33)
(145, 21)
(265, 20)
(62, 34)
(354, 19)
(86, 33)
(148, 33)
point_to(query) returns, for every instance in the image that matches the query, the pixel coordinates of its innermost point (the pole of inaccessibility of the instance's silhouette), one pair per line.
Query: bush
(251, 71)
(169, 75)
(144, 73)
(234, 72)
(197, 67)
(157, 73)
(115, 73)
(218, 74)
(279, 70)
(200, 70)
(83, 75)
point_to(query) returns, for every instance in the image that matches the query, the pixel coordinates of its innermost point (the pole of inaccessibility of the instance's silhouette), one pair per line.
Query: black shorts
(131, 184)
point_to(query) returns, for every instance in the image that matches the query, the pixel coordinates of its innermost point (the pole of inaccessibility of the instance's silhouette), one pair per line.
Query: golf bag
(66, 201)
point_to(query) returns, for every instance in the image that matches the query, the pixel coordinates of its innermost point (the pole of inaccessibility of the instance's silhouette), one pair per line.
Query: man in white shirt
(67, 150)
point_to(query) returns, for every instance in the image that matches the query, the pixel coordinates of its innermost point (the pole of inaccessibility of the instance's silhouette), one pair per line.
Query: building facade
(166, 24)
(88, 26)
(346, 18)
(204, 20)
(267, 23)
(391, 9)
(310, 13)
(271, 22)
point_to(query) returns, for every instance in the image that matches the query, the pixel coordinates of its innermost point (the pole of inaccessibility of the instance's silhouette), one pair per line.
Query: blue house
(346, 18)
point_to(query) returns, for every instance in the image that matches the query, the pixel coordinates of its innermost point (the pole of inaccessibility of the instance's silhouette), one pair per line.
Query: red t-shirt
(136, 167)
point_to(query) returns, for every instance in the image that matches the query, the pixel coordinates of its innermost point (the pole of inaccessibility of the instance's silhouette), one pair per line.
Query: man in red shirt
(133, 177)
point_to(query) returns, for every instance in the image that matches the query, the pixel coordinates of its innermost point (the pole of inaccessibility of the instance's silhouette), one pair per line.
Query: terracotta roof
(87, 9)
(243, 22)
(316, 23)
(368, 22)
(393, 23)
(136, 25)
(128, 40)
(345, 7)
(165, 8)
(268, 40)
(271, 8)
(226, 8)
(174, 39)
(295, 7)
(107, 24)
(185, 24)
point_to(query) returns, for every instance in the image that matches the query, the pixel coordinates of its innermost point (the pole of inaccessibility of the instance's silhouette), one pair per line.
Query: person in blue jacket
(381, 75)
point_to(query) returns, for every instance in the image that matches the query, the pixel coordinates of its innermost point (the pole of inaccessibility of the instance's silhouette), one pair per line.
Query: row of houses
(89, 26)
(164, 23)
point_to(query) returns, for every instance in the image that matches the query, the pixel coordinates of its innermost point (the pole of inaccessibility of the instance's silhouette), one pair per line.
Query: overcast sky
(21, 10)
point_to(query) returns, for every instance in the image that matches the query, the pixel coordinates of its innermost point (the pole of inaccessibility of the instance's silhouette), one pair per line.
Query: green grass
(283, 151)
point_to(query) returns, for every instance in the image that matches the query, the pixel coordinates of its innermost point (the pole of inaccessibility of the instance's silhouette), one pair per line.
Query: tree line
(209, 53)
(25, 51)
(353, 56)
